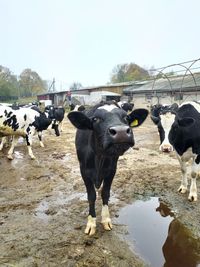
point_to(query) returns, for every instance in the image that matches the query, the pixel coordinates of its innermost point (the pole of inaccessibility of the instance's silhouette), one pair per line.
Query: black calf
(103, 134)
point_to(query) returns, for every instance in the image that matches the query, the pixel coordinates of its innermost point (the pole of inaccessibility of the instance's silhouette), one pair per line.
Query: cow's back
(189, 109)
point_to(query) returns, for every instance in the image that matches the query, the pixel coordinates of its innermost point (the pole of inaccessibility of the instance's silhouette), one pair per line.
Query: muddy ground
(43, 206)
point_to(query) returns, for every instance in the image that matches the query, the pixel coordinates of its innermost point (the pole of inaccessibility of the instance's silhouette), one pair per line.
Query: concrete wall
(141, 100)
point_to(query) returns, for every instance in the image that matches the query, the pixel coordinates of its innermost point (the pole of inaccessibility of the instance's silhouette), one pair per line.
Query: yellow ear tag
(134, 123)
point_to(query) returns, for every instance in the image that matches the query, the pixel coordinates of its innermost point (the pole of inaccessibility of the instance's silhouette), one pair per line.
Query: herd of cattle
(105, 132)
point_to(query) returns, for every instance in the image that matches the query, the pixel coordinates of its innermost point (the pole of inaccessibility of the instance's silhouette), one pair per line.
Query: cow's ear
(155, 119)
(137, 117)
(186, 122)
(80, 120)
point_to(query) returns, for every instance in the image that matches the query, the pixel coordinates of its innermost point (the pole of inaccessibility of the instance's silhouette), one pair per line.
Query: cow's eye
(96, 119)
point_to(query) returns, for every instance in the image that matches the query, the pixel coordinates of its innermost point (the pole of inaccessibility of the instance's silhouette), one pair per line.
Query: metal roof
(172, 83)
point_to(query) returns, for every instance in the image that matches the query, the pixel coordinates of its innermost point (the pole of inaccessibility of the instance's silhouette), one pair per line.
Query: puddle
(46, 208)
(62, 199)
(159, 238)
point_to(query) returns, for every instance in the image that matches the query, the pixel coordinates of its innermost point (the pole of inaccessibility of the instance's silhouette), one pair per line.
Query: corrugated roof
(173, 83)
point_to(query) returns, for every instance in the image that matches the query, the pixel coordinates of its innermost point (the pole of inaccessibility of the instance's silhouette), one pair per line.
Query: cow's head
(164, 117)
(126, 106)
(51, 111)
(110, 126)
(79, 108)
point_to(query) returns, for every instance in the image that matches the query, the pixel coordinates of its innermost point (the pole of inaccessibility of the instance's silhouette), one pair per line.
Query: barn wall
(117, 89)
(164, 98)
(113, 89)
(191, 96)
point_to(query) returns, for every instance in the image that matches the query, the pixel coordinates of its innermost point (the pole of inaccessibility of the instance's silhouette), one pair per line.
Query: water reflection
(180, 248)
(159, 237)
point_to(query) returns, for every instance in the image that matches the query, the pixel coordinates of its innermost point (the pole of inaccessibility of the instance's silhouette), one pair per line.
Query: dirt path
(43, 206)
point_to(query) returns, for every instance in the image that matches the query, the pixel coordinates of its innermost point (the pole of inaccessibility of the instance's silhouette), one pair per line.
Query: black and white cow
(103, 134)
(179, 129)
(34, 106)
(57, 115)
(22, 122)
(128, 107)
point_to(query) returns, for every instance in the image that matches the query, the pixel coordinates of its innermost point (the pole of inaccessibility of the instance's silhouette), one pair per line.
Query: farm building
(87, 96)
(165, 90)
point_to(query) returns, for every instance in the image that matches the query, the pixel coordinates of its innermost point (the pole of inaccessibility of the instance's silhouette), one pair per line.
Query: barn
(86, 95)
(165, 90)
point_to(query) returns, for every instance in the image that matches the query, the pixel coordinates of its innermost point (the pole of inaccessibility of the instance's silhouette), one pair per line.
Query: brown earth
(43, 206)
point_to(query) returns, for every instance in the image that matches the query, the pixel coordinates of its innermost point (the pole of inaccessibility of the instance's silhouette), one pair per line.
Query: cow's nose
(166, 148)
(121, 134)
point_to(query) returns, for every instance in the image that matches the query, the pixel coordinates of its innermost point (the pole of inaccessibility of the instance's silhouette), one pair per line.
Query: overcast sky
(83, 40)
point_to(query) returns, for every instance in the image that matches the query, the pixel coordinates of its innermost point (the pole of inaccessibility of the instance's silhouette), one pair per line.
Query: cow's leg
(11, 150)
(40, 139)
(194, 174)
(61, 126)
(105, 215)
(3, 141)
(29, 144)
(56, 128)
(184, 181)
(91, 224)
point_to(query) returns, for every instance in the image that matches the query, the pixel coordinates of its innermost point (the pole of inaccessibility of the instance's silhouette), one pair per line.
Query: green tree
(128, 72)
(8, 84)
(31, 83)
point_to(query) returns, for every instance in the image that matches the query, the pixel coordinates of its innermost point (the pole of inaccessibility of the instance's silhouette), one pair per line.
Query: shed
(94, 97)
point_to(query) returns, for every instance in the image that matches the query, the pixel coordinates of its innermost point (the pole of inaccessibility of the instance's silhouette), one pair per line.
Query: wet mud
(43, 206)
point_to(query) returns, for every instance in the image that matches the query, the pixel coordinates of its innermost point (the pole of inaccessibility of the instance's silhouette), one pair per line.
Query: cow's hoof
(33, 157)
(91, 226)
(10, 157)
(192, 197)
(182, 189)
(107, 225)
